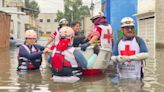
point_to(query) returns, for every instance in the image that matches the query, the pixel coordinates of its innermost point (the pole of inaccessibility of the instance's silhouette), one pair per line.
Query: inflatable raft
(100, 64)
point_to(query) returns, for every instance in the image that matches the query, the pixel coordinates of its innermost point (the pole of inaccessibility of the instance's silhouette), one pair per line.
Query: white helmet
(97, 15)
(63, 21)
(66, 32)
(30, 34)
(127, 21)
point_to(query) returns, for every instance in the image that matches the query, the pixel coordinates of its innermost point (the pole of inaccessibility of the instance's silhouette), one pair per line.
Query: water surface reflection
(40, 80)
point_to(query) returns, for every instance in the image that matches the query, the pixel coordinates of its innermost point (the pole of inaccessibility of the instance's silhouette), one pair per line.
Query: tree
(73, 10)
(32, 8)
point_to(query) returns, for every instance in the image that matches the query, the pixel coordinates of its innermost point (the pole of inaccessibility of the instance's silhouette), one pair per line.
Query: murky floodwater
(40, 81)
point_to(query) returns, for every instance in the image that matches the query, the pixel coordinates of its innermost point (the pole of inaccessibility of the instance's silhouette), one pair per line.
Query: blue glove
(84, 46)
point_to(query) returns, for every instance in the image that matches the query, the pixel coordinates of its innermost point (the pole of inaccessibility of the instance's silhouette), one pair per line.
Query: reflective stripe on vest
(26, 59)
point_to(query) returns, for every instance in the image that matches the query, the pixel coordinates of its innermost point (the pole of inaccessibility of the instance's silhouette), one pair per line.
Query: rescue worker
(29, 53)
(79, 36)
(101, 30)
(67, 61)
(55, 36)
(129, 52)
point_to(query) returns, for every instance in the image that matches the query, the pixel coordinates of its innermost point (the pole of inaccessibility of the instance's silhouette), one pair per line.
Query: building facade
(13, 7)
(1, 3)
(147, 24)
(47, 22)
(159, 16)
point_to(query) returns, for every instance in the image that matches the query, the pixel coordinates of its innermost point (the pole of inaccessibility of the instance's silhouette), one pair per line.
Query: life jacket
(62, 66)
(25, 63)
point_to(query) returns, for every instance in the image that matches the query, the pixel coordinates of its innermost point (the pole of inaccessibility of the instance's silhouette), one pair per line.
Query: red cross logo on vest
(108, 36)
(127, 51)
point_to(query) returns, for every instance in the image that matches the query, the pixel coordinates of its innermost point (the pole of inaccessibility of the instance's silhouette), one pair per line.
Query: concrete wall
(160, 21)
(145, 6)
(87, 25)
(1, 4)
(147, 24)
(47, 26)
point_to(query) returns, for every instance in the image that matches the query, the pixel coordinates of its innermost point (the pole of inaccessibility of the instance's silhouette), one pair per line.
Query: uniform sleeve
(31, 56)
(40, 47)
(142, 44)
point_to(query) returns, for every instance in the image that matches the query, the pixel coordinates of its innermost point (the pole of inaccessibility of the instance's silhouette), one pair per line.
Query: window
(49, 32)
(41, 20)
(48, 20)
(55, 20)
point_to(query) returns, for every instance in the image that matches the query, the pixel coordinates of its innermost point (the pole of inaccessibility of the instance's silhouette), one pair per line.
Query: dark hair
(74, 23)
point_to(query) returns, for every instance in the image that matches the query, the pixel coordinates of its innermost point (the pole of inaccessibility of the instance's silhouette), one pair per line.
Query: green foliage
(120, 34)
(33, 7)
(73, 10)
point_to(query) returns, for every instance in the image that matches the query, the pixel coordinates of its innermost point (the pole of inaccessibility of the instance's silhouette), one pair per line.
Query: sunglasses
(129, 27)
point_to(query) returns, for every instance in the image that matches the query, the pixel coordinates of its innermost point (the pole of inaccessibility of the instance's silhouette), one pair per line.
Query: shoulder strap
(26, 48)
(35, 46)
(138, 40)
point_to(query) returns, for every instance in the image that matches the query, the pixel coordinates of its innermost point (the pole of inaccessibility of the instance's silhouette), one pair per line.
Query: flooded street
(40, 81)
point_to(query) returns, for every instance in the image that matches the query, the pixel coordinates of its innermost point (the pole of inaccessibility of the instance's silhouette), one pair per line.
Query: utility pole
(92, 7)
(3, 3)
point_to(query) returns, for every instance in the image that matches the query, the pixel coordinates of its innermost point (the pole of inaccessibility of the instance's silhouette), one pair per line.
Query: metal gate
(4, 29)
(147, 32)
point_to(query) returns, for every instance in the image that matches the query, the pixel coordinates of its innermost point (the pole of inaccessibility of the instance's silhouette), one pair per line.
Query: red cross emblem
(127, 51)
(108, 36)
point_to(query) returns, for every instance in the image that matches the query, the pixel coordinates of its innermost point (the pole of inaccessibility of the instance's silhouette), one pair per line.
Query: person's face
(30, 41)
(128, 31)
(76, 28)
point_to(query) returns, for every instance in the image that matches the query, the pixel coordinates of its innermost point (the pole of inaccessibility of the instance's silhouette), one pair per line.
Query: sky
(50, 6)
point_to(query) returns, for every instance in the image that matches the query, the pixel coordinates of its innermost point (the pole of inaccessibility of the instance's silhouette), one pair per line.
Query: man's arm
(30, 56)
